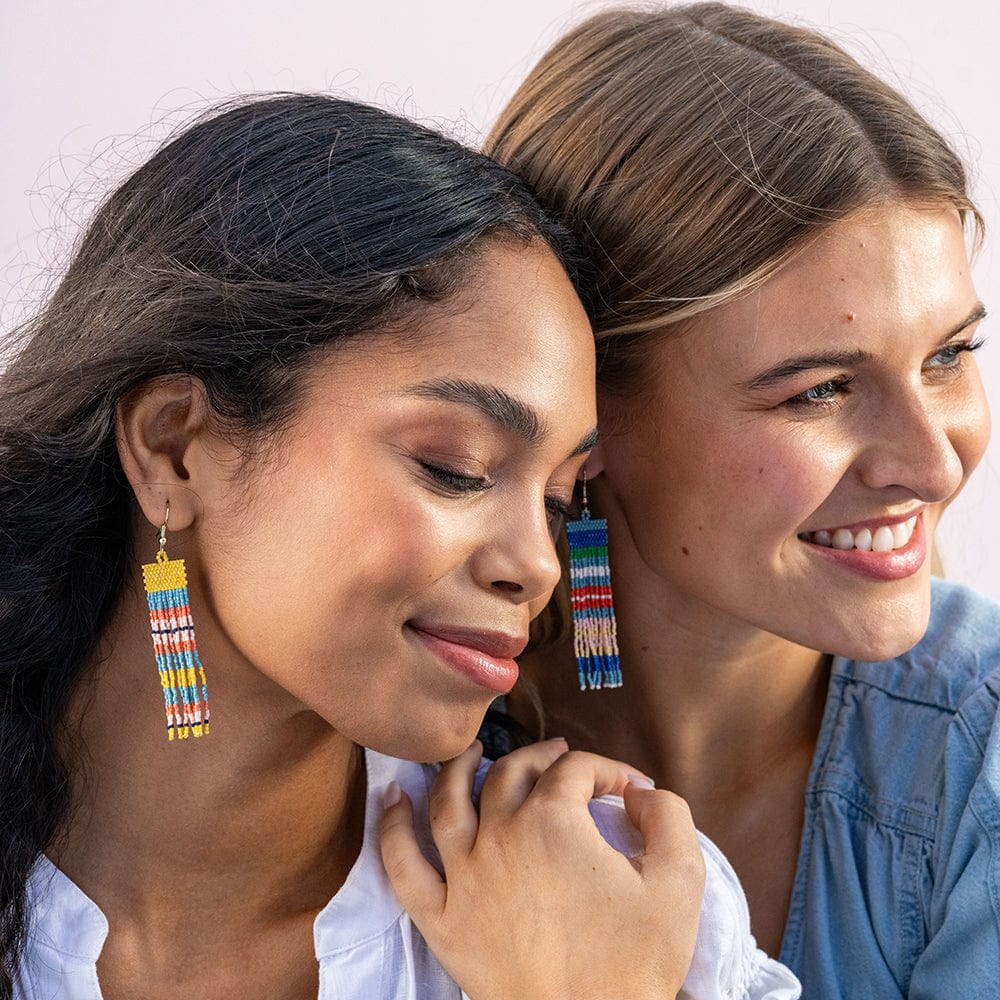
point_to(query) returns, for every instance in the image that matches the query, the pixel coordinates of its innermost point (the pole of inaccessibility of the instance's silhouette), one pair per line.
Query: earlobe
(155, 428)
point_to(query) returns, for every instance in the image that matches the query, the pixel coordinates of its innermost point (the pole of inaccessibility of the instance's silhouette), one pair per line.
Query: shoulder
(900, 862)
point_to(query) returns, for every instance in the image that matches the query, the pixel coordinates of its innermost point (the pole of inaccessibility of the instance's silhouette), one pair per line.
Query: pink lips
(895, 565)
(484, 657)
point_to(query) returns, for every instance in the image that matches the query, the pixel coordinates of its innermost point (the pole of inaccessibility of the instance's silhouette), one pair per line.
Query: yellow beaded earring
(174, 644)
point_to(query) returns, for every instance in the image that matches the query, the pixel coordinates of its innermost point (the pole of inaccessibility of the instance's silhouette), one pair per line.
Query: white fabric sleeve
(727, 963)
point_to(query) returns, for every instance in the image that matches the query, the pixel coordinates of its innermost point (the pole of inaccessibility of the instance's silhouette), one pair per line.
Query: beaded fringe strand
(595, 636)
(174, 647)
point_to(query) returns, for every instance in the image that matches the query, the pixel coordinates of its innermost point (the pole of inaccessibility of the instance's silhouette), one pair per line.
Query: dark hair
(266, 230)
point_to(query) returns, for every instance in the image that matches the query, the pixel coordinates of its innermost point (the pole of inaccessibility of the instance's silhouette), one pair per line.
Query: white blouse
(367, 947)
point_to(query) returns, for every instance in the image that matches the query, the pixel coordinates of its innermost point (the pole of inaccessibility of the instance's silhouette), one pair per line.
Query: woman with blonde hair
(788, 401)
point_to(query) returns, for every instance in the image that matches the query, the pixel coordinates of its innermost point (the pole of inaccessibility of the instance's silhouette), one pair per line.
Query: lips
(485, 657)
(495, 644)
(880, 550)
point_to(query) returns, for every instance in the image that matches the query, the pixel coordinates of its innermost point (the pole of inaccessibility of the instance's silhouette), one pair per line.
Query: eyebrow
(509, 414)
(791, 367)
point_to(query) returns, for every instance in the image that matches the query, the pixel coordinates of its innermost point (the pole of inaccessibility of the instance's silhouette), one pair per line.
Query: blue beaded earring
(595, 632)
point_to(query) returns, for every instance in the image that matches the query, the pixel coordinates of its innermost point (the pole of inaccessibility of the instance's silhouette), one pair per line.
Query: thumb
(414, 880)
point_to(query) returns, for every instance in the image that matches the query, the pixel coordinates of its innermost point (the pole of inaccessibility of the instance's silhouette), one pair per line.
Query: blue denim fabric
(897, 890)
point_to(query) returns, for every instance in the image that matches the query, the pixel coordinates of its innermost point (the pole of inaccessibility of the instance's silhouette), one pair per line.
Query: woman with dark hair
(298, 426)
(785, 322)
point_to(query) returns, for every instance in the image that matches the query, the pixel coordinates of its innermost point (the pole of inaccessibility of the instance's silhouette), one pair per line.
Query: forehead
(518, 325)
(519, 317)
(895, 269)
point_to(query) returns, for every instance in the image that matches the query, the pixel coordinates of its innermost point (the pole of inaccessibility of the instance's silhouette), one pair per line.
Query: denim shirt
(897, 889)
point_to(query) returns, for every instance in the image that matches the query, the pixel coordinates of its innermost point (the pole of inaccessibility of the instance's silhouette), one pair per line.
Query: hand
(534, 903)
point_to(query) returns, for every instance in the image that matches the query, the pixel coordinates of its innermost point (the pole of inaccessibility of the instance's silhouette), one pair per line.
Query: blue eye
(950, 356)
(821, 393)
(825, 390)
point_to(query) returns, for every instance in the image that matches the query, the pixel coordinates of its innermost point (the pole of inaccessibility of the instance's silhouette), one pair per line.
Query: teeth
(882, 539)
(843, 539)
(887, 538)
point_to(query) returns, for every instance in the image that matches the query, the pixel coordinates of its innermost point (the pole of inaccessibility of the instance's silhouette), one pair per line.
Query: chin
(425, 743)
(883, 638)
(876, 652)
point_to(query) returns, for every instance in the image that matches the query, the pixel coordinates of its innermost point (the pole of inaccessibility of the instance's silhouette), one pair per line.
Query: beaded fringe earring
(595, 634)
(173, 643)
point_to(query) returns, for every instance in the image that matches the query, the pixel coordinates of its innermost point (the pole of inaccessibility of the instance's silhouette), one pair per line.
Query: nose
(519, 558)
(915, 444)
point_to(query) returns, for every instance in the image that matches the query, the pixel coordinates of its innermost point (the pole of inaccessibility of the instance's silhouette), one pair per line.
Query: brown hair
(695, 149)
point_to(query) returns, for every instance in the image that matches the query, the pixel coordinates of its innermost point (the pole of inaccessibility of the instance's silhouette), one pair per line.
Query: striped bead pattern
(595, 634)
(175, 649)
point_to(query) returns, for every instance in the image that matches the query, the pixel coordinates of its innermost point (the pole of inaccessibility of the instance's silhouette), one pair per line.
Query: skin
(522, 851)
(711, 476)
(308, 570)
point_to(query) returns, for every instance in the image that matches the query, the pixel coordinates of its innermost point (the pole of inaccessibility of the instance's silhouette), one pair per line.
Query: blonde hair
(695, 149)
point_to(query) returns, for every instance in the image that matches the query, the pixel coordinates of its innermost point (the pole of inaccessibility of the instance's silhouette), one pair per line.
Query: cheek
(789, 477)
(750, 481)
(303, 564)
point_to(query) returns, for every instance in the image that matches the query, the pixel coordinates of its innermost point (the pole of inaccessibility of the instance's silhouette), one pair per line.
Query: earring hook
(163, 535)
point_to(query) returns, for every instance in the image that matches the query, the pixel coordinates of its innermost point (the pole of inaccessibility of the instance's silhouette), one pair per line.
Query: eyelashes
(944, 363)
(951, 354)
(460, 484)
(820, 395)
(556, 507)
(456, 482)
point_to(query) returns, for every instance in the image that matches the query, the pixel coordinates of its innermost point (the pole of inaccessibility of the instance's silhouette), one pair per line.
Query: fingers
(668, 832)
(511, 779)
(453, 817)
(415, 881)
(579, 777)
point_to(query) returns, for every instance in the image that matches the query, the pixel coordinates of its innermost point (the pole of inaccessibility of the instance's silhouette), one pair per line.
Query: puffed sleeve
(962, 883)
(727, 963)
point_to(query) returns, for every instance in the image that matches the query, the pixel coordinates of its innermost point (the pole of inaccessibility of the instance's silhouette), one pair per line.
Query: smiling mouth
(885, 538)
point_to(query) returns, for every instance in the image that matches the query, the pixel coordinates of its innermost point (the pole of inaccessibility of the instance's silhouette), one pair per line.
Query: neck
(268, 809)
(708, 707)
(712, 708)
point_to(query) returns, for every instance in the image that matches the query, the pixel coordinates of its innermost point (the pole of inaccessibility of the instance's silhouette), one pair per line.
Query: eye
(558, 511)
(454, 481)
(823, 393)
(950, 356)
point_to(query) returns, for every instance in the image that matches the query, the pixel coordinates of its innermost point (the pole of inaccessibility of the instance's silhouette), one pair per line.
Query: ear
(594, 465)
(156, 429)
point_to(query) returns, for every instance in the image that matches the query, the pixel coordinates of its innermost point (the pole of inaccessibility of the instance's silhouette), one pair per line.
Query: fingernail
(557, 739)
(641, 781)
(393, 793)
